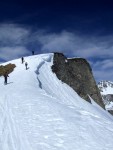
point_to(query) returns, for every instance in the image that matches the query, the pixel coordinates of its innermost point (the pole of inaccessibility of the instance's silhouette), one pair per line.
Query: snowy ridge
(39, 112)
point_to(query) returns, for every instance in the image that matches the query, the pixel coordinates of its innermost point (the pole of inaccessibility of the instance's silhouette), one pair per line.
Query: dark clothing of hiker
(5, 78)
(26, 64)
(33, 52)
(22, 60)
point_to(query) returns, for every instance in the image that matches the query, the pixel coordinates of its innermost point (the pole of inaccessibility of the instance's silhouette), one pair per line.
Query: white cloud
(11, 34)
(15, 40)
(105, 64)
(76, 44)
(8, 53)
(103, 69)
(83, 46)
(67, 42)
(103, 75)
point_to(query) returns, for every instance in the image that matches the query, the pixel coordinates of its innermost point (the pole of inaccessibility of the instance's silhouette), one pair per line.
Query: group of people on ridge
(6, 73)
(26, 64)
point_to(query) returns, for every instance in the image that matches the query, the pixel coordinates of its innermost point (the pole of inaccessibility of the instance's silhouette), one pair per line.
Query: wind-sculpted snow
(39, 112)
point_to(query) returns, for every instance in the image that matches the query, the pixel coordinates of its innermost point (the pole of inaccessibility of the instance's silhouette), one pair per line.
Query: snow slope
(39, 112)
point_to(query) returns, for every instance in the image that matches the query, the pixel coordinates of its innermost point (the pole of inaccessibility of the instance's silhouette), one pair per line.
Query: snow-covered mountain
(39, 112)
(106, 87)
(106, 90)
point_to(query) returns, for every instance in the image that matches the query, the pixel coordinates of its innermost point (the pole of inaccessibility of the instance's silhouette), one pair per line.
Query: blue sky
(79, 28)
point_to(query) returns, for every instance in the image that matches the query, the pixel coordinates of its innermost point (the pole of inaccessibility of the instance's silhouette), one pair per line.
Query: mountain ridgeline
(77, 73)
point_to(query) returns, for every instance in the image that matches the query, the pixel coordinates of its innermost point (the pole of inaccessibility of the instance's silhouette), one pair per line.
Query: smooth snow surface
(39, 112)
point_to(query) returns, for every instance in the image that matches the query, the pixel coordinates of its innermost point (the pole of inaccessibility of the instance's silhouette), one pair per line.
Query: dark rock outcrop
(110, 111)
(77, 73)
(108, 97)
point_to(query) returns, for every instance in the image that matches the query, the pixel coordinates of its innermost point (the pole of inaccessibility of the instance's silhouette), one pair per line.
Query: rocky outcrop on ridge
(77, 73)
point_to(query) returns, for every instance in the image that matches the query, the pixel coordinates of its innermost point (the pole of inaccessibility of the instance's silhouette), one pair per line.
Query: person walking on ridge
(33, 52)
(26, 64)
(5, 78)
(22, 60)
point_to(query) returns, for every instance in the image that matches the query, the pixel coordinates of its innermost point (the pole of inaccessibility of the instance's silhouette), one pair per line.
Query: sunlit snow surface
(39, 112)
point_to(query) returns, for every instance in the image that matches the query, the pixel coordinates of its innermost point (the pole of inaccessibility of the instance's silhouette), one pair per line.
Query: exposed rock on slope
(77, 73)
(7, 69)
(106, 90)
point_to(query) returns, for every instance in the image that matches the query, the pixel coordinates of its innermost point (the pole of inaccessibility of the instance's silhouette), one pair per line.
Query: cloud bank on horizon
(17, 40)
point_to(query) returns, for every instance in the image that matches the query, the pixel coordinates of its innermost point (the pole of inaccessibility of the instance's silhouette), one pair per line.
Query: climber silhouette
(26, 64)
(33, 52)
(22, 60)
(5, 78)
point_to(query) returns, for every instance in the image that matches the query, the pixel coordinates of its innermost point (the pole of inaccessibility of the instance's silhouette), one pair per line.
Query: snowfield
(39, 112)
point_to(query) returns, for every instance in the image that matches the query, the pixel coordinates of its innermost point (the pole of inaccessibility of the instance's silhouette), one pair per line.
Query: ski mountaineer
(33, 52)
(22, 59)
(5, 78)
(26, 64)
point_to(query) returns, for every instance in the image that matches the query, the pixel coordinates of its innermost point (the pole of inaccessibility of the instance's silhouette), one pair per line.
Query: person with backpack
(5, 78)
(33, 52)
(26, 64)
(22, 60)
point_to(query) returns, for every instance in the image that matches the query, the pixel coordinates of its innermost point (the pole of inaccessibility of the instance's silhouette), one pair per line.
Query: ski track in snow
(39, 112)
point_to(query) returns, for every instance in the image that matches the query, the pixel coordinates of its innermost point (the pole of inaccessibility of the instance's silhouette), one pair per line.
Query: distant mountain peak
(106, 87)
(105, 83)
(106, 90)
